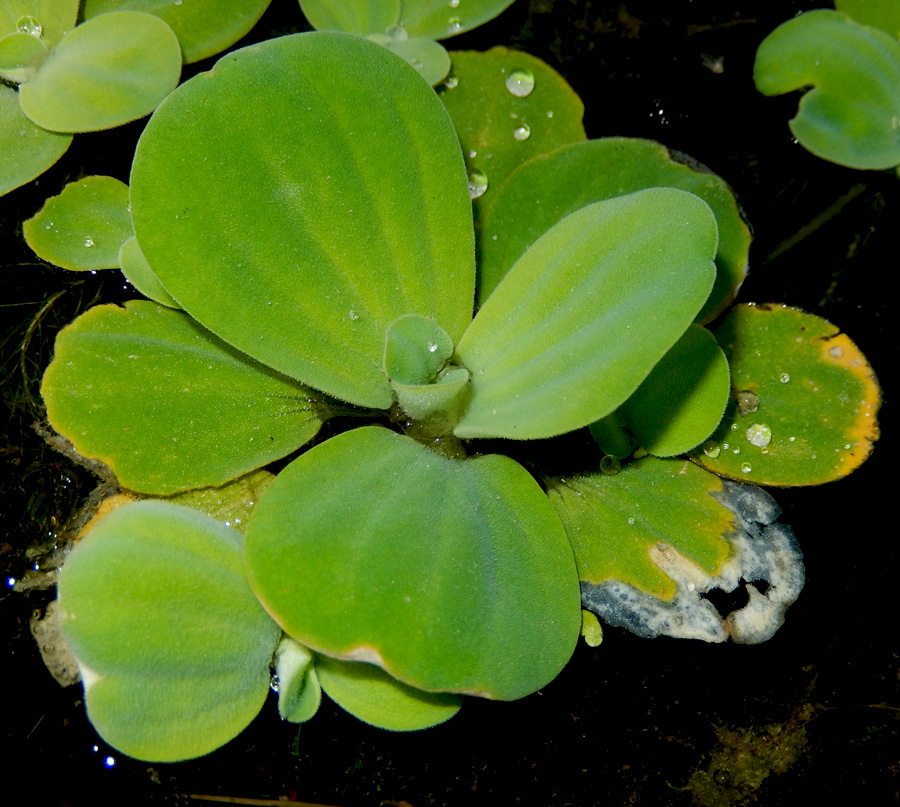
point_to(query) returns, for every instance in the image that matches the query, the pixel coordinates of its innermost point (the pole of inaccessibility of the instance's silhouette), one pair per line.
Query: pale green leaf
(167, 405)
(438, 19)
(586, 313)
(108, 71)
(230, 503)
(50, 20)
(370, 694)
(452, 575)
(883, 14)
(429, 58)
(852, 113)
(550, 187)
(203, 27)
(27, 149)
(84, 227)
(140, 274)
(299, 693)
(805, 400)
(172, 646)
(20, 56)
(345, 173)
(682, 400)
(362, 17)
(507, 107)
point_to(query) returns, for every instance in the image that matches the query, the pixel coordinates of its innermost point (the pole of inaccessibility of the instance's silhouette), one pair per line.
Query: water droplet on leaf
(89, 242)
(759, 435)
(478, 184)
(451, 82)
(454, 25)
(29, 25)
(610, 465)
(745, 468)
(522, 132)
(836, 351)
(520, 83)
(353, 315)
(784, 378)
(711, 449)
(747, 401)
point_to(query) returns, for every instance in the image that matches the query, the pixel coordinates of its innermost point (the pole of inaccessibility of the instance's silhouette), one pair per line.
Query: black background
(628, 722)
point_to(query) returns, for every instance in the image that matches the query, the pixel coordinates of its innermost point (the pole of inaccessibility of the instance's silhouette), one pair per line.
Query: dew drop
(522, 132)
(29, 25)
(745, 468)
(784, 378)
(478, 184)
(520, 83)
(454, 25)
(836, 351)
(610, 465)
(711, 449)
(452, 82)
(89, 242)
(759, 435)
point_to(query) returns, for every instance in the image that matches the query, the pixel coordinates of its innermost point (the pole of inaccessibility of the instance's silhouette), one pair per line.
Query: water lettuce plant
(852, 113)
(318, 251)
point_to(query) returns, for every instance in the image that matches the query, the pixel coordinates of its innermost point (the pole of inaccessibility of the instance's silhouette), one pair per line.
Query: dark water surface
(813, 713)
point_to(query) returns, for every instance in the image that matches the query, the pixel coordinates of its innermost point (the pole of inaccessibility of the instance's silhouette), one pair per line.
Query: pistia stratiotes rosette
(306, 204)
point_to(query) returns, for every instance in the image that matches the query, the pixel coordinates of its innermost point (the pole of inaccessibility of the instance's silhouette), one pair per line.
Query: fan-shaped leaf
(166, 404)
(452, 575)
(550, 187)
(851, 115)
(84, 227)
(173, 647)
(106, 72)
(804, 404)
(582, 318)
(344, 173)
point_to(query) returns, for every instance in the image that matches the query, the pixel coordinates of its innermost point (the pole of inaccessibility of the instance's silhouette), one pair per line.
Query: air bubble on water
(836, 351)
(478, 184)
(89, 242)
(522, 132)
(29, 25)
(520, 83)
(745, 468)
(610, 466)
(711, 449)
(784, 378)
(759, 435)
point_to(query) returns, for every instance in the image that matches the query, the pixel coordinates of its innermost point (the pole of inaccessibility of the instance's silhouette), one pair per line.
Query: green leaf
(507, 107)
(429, 58)
(438, 19)
(550, 187)
(172, 646)
(415, 348)
(452, 575)
(84, 227)
(370, 694)
(851, 115)
(883, 14)
(311, 178)
(582, 318)
(20, 56)
(28, 150)
(167, 405)
(804, 404)
(362, 17)
(203, 27)
(140, 274)
(682, 400)
(652, 539)
(299, 693)
(107, 72)
(50, 20)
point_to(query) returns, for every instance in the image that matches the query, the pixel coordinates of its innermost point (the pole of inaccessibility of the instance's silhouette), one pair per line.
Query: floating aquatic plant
(317, 252)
